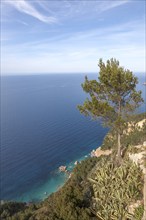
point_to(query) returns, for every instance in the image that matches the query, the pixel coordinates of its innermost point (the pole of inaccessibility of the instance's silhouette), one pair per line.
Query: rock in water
(62, 168)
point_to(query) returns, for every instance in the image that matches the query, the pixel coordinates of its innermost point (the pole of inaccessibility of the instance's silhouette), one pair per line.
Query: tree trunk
(144, 195)
(119, 137)
(119, 148)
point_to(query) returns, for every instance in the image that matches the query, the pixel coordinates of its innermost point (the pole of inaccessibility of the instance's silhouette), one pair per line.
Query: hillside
(98, 188)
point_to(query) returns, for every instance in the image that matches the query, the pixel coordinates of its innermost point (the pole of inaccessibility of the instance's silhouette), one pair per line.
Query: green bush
(114, 188)
(138, 213)
(8, 209)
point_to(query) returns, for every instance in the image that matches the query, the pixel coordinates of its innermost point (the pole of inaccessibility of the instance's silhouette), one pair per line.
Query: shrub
(114, 188)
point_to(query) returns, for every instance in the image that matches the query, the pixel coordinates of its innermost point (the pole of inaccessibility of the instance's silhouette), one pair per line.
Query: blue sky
(49, 36)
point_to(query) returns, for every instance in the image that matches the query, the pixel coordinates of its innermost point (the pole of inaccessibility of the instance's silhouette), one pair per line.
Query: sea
(41, 130)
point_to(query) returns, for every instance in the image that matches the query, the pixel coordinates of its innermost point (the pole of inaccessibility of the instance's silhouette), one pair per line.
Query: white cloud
(60, 11)
(108, 5)
(25, 7)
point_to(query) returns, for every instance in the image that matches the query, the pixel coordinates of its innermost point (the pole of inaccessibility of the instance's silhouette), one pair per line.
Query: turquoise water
(51, 185)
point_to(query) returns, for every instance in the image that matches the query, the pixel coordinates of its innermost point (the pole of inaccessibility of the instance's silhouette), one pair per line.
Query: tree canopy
(113, 97)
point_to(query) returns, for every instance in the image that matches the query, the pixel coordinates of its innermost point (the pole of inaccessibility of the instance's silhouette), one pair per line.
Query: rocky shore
(98, 152)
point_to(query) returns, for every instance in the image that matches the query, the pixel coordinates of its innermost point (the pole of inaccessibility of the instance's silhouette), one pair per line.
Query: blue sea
(42, 129)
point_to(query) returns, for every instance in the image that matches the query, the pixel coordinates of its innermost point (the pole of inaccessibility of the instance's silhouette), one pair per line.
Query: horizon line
(57, 73)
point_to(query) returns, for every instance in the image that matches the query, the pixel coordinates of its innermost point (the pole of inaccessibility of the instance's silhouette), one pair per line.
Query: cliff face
(137, 125)
(138, 158)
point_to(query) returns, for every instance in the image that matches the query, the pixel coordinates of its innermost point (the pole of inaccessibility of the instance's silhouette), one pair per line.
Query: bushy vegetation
(73, 201)
(10, 208)
(137, 117)
(114, 188)
(17, 211)
(139, 212)
(134, 137)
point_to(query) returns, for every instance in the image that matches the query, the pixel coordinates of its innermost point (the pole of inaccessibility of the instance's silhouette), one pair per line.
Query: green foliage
(137, 117)
(144, 160)
(113, 95)
(114, 188)
(138, 213)
(72, 202)
(129, 139)
(135, 137)
(17, 211)
(10, 208)
(109, 142)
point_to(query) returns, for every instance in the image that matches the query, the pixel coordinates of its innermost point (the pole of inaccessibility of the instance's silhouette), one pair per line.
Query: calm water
(41, 130)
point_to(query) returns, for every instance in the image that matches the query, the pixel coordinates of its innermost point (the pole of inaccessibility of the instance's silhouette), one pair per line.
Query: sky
(46, 36)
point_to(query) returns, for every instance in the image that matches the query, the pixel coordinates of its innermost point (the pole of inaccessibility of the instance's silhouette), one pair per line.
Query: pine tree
(112, 98)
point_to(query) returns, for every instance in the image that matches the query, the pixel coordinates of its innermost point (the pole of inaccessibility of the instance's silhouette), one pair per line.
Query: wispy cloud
(25, 7)
(77, 53)
(60, 11)
(87, 30)
(108, 5)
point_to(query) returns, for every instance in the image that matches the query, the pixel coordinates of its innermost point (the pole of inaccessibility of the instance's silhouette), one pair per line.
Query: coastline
(16, 177)
(57, 180)
(78, 184)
